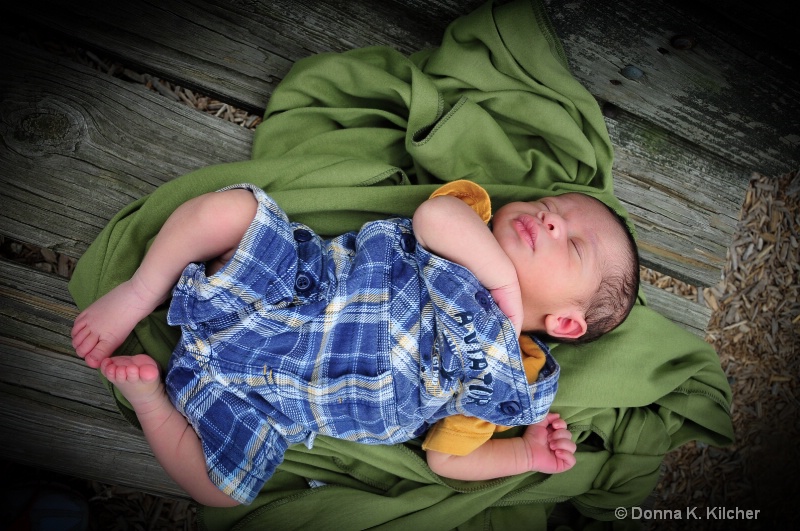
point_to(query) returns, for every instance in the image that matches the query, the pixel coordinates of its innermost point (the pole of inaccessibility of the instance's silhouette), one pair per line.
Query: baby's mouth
(526, 228)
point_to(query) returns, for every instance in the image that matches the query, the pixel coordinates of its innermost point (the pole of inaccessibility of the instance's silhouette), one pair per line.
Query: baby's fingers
(553, 419)
(561, 440)
(566, 460)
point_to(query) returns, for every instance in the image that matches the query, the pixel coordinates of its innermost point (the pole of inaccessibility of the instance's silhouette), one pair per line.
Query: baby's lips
(526, 227)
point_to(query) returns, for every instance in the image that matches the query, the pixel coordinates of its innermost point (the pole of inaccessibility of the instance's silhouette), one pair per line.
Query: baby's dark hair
(619, 288)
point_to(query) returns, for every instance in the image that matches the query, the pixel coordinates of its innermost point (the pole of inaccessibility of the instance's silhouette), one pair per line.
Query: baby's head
(576, 261)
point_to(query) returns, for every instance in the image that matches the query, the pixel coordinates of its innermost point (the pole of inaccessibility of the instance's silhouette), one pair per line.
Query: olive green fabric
(370, 133)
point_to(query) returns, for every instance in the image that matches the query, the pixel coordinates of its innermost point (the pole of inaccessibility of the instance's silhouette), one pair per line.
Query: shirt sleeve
(460, 434)
(472, 194)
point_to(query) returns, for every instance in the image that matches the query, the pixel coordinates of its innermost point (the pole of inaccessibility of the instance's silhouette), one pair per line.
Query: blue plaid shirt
(366, 337)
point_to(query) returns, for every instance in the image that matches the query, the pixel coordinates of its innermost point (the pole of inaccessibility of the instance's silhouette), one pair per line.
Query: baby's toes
(109, 369)
(132, 374)
(83, 341)
(118, 370)
(101, 350)
(147, 368)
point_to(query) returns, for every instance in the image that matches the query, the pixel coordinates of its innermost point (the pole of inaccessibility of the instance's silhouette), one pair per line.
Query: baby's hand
(550, 446)
(509, 300)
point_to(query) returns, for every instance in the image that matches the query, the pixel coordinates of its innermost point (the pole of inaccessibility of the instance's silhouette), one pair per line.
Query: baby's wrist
(530, 457)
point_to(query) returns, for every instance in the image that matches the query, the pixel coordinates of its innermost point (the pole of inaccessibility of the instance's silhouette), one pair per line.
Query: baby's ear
(570, 325)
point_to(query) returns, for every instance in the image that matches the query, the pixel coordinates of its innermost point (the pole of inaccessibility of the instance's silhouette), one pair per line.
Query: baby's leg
(173, 441)
(201, 229)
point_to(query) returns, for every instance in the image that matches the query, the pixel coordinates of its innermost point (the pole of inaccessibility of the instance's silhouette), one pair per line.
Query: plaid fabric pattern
(366, 337)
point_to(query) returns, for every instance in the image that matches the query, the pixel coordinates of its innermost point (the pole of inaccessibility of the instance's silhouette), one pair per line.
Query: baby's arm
(544, 447)
(448, 227)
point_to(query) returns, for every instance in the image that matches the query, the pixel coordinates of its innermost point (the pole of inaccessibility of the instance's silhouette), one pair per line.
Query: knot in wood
(46, 127)
(42, 130)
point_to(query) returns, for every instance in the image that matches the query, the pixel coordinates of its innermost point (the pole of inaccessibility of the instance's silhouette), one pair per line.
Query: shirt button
(408, 243)
(483, 300)
(303, 282)
(510, 408)
(302, 235)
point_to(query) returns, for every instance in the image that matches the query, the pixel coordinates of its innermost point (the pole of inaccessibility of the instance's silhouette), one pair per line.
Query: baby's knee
(239, 200)
(229, 210)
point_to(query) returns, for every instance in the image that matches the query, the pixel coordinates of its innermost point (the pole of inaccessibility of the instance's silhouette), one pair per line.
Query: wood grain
(57, 414)
(80, 145)
(83, 144)
(716, 95)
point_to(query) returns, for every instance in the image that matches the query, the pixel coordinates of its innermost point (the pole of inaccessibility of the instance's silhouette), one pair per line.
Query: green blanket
(369, 133)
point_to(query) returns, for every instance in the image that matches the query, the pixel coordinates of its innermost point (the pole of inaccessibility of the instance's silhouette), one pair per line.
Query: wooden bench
(690, 117)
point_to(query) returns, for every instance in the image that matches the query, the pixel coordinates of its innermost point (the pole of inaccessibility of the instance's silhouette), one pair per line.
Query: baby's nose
(553, 224)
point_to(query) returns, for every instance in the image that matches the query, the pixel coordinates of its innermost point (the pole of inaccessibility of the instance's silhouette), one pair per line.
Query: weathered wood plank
(58, 415)
(715, 94)
(35, 307)
(79, 145)
(686, 314)
(82, 145)
(238, 50)
(684, 201)
(56, 411)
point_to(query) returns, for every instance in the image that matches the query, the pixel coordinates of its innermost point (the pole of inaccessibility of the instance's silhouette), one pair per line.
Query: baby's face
(559, 247)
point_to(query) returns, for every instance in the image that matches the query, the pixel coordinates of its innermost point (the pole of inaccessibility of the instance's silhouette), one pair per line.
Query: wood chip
(755, 327)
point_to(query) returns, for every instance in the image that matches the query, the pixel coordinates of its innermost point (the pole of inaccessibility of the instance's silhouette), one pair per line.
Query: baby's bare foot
(104, 325)
(137, 378)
